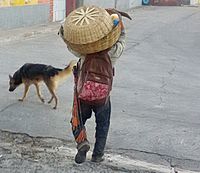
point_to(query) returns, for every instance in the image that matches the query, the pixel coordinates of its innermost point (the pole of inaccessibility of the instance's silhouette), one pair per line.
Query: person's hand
(122, 26)
(120, 22)
(115, 19)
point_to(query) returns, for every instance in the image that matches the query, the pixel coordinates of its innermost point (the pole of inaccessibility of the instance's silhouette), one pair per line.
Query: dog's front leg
(26, 88)
(56, 99)
(53, 97)
(38, 92)
(51, 85)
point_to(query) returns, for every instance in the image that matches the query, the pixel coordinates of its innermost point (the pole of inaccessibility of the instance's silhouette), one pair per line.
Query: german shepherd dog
(34, 73)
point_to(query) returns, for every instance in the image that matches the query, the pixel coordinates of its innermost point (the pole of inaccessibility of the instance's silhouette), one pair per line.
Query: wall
(19, 13)
(8, 3)
(135, 3)
(101, 3)
(122, 4)
(194, 2)
(13, 17)
(119, 4)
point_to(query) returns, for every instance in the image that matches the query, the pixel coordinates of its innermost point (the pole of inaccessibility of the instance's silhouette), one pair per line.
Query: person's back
(95, 78)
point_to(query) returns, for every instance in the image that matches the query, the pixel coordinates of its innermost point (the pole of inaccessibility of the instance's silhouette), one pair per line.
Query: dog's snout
(11, 89)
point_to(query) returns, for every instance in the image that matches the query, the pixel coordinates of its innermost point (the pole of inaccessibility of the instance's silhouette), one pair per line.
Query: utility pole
(79, 3)
(115, 3)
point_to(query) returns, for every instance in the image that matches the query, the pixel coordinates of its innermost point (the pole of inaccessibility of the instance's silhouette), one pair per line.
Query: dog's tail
(64, 73)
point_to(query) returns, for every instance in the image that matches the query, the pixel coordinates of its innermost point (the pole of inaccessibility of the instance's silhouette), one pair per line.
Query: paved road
(155, 98)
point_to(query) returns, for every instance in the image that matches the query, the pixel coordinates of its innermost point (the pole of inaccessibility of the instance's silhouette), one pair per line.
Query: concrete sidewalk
(27, 32)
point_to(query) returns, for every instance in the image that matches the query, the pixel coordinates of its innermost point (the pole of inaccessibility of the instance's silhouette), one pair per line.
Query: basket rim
(99, 27)
(102, 44)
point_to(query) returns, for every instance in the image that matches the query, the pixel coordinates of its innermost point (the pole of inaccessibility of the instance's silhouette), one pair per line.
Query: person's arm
(117, 49)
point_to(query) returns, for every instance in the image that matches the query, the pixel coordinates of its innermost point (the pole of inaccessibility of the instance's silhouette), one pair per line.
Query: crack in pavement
(22, 152)
(168, 157)
(132, 44)
(136, 43)
(174, 162)
(6, 107)
(161, 119)
(171, 72)
(164, 83)
(186, 17)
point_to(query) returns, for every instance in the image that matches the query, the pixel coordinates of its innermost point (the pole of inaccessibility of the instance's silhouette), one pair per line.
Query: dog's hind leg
(52, 87)
(26, 88)
(38, 92)
(55, 97)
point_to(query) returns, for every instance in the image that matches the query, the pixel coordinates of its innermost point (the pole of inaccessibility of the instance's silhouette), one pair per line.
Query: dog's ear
(10, 77)
(61, 31)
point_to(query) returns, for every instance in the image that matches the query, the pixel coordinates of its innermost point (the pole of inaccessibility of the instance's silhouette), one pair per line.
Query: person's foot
(83, 148)
(97, 158)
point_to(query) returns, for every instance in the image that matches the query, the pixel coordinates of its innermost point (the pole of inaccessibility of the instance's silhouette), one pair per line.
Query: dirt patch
(21, 153)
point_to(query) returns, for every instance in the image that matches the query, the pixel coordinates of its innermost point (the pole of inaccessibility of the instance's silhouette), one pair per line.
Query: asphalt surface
(155, 97)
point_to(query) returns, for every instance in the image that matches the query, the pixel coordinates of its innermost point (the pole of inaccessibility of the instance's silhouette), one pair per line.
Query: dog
(30, 74)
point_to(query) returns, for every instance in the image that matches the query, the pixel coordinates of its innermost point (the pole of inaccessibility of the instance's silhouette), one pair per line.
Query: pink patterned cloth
(94, 91)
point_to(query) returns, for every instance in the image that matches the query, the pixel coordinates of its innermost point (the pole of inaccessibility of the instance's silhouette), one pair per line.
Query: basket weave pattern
(102, 44)
(90, 29)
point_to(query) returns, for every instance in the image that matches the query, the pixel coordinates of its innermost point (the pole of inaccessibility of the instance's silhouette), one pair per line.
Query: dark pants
(102, 117)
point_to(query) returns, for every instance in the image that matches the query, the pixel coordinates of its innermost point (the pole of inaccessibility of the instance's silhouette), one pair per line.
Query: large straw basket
(90, 29)
(102, 44)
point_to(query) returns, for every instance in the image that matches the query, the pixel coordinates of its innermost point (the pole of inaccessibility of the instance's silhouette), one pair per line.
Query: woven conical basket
(90, 29)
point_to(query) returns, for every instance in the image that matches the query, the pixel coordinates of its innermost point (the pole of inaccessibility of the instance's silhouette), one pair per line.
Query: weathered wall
(101, 3)
(18, 16)
(119, 4)
(135, 3)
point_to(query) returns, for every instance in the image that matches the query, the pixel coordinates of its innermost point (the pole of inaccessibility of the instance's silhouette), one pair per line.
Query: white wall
(193, 2)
